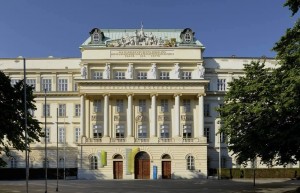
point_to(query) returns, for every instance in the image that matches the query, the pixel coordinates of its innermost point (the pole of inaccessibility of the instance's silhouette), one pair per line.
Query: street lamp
(57, 150)
(46, 160)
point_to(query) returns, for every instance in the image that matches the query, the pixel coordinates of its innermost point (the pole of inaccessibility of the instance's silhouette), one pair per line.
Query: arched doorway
(142, 166)
(118, 167)
(166, 167)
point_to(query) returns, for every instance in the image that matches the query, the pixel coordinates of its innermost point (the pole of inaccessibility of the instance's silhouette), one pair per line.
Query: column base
(153, 140)
(105, 139)
(177, 139)
(129, 139)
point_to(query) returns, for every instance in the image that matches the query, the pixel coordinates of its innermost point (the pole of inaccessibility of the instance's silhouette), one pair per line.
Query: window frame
(62, 85)
(47, 84)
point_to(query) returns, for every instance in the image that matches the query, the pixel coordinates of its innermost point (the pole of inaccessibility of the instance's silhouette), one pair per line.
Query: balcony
(142, 140)
(166, 140)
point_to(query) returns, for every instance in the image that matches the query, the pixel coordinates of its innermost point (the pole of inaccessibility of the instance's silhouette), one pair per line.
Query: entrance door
(142, 166)
(166, 169)
(118, 169)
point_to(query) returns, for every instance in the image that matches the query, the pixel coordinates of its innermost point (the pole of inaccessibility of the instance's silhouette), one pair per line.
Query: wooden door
(166, 169)
(118, 170)
(142, 169)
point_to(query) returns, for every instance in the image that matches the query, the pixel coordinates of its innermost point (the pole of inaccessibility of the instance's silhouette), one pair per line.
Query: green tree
(261, 115)
(12, 122)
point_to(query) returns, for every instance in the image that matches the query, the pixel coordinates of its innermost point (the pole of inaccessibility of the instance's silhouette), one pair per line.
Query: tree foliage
(262, 113)
(12, 122)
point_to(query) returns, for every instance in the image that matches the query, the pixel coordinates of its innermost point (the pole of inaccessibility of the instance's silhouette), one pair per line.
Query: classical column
(153, 122)
(201, 114)
(82, 115)
(129, 115)
(87, 118)
(176, 132)
(106, 99)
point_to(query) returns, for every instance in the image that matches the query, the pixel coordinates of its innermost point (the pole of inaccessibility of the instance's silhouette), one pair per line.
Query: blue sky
(40, 28)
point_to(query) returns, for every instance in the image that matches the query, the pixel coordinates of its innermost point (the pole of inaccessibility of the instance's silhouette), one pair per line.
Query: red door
(118, 170)
(166, 169)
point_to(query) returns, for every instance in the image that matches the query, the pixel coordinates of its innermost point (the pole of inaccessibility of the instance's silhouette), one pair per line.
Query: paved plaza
(153, 186)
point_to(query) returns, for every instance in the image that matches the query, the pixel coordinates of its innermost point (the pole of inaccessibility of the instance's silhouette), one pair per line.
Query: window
(77, 134)
(61, 162)
(142, 131)
(75, 87)
(206, 110)
(142, 105)
(221, 84)
(208, 88)
(120, 75)
(142, 75)
(13, 82)
(46, 163)
(164, 131)
(187, 131)
(97, 131)
(223, 162)
(188, 37)
(47, 132)
(207, 134)
(97, 106)
(186, 75)
(31, 82)
(77, 110)
(120, 131)
(96, 37)
(97, 75)
(120, 106)
(62, 110)
(164, 75)
(62, 84)
(164, 105)
(46, 110)
(190, 162)
(46, 84)
(13, 162)
(61, 135)
(93, 163)
(186, 105)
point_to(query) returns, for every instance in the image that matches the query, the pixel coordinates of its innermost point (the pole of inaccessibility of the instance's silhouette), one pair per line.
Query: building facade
(138, 104)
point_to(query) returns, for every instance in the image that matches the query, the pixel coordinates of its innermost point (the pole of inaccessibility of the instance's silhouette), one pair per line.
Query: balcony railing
(141, 140)
(93, 140)
(165, 140)
(190, 140)
(118, 140)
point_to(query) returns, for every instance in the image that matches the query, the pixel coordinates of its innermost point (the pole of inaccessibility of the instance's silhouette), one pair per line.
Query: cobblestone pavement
(153, 186)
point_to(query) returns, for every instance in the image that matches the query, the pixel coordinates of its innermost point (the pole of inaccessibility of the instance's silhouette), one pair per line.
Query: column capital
(177, 94)
(201, 95)
(153, 94)
(129, 94)
(82, 94)
(105, 94)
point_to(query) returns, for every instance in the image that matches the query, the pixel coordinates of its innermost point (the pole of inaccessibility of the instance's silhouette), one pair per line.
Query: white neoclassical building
(138, 104)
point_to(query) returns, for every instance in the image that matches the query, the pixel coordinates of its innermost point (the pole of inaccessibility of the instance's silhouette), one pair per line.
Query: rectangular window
(206, 110)
(46, 110)
(186, 105)
(142, 131)
(186, 75)
(61, 135)
(221, 84)
(164, 131)
(120, 131)
(187, 131)
(142, 75)
(208, 87)
(120, 75)
(207, 134)
(164, 75)
(142, 105)
(47, 132)
(13, 82)
(46, 84)
(62, 110)
(97, 75)
(31, 82)
(120, 106)
(62, 84)
(164, 105)
(77, 135)
(97, 106)
(75, 87)
(77, 110)
(98, 132)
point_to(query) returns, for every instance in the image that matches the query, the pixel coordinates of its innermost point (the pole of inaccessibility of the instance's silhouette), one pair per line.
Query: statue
(106, 74)
(130, 71)
(201, 71)
(153, 71)
(176, 71)
(83, 72)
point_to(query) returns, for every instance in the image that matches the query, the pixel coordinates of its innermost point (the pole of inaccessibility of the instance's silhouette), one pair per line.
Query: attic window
(96, 37)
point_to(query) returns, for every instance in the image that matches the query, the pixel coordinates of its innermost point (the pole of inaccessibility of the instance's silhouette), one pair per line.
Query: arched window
(93, 163)
(190, 162)
(166, 156)
(118, 156)
(13, 162)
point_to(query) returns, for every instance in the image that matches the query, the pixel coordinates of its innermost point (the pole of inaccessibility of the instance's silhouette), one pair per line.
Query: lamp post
(25, 120)
(57, 150)
(46, 160)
